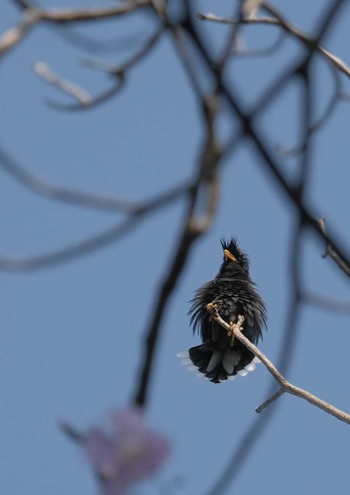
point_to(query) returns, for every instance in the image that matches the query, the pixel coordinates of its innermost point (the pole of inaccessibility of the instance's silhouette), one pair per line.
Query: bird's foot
(230, 333)
(235, 326)
(211, 308)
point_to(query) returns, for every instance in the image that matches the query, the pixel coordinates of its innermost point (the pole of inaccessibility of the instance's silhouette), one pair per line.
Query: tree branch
(286, 387)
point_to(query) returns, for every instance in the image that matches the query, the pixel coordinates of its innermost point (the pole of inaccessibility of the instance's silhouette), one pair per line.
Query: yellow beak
(229, 255)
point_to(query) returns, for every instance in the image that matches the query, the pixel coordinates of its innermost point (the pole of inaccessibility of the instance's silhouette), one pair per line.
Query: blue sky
(71, 335)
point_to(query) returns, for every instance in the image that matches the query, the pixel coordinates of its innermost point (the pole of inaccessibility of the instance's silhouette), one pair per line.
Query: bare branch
(285, 385)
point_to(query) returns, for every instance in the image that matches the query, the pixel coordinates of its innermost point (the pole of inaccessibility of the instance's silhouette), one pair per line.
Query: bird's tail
(218, 365)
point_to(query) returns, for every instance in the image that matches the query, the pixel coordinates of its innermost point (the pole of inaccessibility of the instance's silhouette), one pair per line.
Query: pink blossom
(128, 453)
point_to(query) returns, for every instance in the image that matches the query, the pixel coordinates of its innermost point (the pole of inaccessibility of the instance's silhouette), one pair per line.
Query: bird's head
(232, 254)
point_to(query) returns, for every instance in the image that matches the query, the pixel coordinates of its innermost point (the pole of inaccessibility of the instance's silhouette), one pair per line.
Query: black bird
(222, 357)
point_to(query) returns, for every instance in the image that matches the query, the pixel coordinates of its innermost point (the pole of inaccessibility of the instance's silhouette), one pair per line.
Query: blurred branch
(94, 102)
(14, 35)
(70, 35)
(93, 243)
(313, 42)
(262, 52)
(323, 119)
(231, 39)
(286, 387)
(119, 70)
(326, 303)
(186, 59)
(84, 199)
(332, 251)
(254, 432)
(73, 251)
(278, 20)
(79, 15)
(73, 434)
(249, 128)
(85, 100)
(192, 228)
(44, 71)
(34, 15)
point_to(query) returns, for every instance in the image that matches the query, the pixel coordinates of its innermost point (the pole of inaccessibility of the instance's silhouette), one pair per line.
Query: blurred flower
(127, 453)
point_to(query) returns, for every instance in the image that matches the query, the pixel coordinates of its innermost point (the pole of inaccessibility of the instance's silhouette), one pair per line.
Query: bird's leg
(231, 334)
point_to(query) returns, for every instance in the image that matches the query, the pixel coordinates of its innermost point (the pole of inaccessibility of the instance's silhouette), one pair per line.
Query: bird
(222, 357)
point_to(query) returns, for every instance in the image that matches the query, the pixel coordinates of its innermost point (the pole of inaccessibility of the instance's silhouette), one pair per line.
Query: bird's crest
(237, 255)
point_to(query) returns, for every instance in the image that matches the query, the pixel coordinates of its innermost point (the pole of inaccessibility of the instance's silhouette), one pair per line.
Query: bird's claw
(211, 307)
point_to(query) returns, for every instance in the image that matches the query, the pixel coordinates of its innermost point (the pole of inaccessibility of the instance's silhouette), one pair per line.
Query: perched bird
(232, 291)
